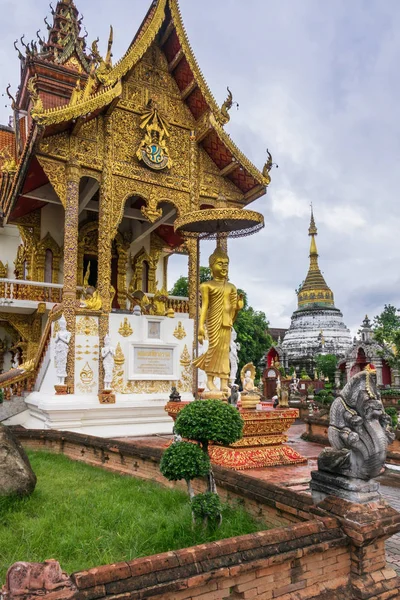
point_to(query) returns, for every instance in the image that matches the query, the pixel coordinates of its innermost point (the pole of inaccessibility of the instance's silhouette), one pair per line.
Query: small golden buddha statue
(220, 305)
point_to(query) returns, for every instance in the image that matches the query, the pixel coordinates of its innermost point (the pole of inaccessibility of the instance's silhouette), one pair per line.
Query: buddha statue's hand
(201, 335)
(240, 301)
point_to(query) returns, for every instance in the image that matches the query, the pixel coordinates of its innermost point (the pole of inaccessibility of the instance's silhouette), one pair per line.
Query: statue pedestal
(216, 395)
(325, 484)
(249, 401)
(262, 444)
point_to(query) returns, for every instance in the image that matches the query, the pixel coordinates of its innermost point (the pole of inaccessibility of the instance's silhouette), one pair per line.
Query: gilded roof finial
(312, 230)
(314, 289)
(108, 60)
(227, 105)
(267, 168)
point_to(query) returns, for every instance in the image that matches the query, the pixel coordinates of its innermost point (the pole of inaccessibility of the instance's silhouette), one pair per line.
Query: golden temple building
(101, 159)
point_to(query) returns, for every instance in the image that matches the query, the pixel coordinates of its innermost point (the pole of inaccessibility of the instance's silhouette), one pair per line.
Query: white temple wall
(10, 239)
(152, 355)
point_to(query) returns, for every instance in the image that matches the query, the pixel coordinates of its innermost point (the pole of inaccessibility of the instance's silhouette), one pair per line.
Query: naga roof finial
(267, 168)
(226, 106)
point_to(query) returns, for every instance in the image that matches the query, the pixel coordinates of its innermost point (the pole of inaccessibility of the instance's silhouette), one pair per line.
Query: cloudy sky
(318, 84)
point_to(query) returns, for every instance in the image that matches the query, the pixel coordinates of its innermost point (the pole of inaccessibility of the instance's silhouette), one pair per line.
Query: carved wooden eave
(8, 201)
(71, 112)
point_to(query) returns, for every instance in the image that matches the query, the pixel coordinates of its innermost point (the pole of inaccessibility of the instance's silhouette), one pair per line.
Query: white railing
(23, 289)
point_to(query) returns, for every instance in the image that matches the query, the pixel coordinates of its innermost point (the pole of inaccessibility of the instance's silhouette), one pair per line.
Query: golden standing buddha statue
(220, 305)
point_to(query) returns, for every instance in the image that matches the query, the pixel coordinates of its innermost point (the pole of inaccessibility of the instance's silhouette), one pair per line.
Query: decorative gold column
(105, 239)
(73, 176)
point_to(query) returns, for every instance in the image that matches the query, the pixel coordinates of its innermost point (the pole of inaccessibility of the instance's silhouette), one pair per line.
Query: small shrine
(365, 351)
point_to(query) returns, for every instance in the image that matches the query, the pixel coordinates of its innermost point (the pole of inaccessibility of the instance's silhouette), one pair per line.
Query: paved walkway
(298, 478)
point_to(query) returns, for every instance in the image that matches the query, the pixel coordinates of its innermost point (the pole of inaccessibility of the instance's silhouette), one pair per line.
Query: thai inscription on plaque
(152, 362)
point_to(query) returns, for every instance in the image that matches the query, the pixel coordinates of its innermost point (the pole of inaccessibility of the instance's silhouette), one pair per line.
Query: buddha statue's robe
(222, 307)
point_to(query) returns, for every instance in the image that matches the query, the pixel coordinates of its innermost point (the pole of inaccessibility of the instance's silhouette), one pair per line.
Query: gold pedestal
(262, 444)
(107, 397)
(61, 390)
(216, 395)
(249, 401)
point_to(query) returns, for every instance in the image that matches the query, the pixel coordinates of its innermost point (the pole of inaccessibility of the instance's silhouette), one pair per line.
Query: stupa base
(255, 457)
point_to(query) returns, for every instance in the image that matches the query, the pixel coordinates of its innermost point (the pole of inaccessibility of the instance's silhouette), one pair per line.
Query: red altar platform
(262, 444)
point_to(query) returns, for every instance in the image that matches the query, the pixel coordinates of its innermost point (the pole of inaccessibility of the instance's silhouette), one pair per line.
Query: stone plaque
(152, 362)
(154, 330)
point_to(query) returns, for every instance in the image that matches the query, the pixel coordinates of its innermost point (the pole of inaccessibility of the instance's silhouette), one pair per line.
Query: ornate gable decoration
(153, 149)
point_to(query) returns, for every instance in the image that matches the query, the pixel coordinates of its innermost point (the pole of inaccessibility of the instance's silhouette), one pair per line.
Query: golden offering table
(262, 444)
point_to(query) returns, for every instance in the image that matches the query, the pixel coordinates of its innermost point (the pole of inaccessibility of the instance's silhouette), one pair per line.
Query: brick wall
(307, 558)
(335, 550)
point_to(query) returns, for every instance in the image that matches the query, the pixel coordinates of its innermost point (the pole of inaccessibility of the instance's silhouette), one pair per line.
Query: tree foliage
(251, 328)
(386, 328)
(326, 363)
(181, 285)
(206, 506)
(183, 460)
(209, 421)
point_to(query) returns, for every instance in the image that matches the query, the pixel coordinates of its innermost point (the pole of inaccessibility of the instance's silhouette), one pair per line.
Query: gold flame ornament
(125, 329)
(179, 332)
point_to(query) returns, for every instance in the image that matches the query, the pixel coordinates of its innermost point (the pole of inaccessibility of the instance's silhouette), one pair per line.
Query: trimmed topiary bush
(202, 421)
(209, 421)
(207, 506)
(183, 460)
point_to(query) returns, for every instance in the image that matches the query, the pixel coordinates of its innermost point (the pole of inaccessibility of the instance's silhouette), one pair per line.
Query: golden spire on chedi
(314, 289)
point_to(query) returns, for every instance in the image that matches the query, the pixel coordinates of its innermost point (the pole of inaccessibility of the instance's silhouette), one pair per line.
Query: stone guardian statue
(62, 339)
(107, 354)
(220, 305)
(359, 432)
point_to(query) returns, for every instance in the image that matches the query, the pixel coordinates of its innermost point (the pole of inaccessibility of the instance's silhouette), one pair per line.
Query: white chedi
(107, 354)
(62, 339)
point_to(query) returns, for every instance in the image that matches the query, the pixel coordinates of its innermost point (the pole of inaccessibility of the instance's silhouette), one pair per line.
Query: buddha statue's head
(219, 263)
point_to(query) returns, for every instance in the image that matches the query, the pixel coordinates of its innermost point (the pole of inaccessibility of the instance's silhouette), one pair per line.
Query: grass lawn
(83, 517)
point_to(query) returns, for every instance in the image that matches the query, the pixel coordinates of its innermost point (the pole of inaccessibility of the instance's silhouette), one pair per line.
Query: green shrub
(390, 392)
(206, 506)
(209, 421)
(183, 460)
(392, 412)
(1, 396)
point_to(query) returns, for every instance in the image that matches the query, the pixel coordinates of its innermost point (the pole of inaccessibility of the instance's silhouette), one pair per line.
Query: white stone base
(131, 415)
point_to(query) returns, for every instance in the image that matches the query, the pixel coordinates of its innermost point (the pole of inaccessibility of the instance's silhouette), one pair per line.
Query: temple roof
(314, 290)
(101, 86)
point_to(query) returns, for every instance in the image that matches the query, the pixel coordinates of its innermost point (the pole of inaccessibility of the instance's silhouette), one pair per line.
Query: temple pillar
(73, 176)
(105, 240)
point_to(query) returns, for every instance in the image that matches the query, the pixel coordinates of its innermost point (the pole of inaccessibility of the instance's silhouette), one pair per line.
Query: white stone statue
(62, 340)
(15, 362)
(108, 353)
(233, 356)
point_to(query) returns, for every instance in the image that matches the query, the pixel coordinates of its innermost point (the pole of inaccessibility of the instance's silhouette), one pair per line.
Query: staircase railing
(16, 381)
